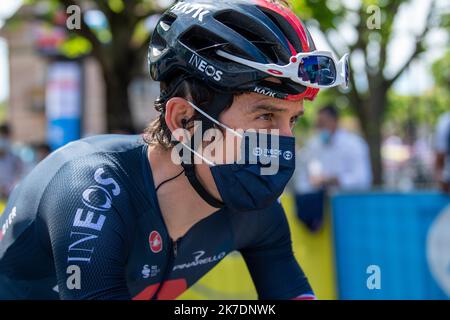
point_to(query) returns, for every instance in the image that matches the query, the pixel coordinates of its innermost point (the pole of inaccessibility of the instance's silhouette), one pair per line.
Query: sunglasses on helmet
(316, 69)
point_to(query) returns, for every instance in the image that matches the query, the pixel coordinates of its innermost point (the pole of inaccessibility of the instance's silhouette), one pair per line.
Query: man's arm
(88, 236)
(270, 260)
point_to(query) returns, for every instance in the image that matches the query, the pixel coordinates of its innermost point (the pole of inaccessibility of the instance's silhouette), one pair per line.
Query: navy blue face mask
(258, 178)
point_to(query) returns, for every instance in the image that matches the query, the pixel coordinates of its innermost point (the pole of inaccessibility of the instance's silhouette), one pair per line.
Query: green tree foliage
(120, 47)
(441, 73)
(2, 112)
(370, 84)
(427, 108)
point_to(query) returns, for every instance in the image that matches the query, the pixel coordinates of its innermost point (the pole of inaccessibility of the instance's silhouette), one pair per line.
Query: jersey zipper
(175, 248)
(173, 251)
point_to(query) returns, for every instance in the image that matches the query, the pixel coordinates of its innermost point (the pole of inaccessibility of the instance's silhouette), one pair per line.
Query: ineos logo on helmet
(205, 68)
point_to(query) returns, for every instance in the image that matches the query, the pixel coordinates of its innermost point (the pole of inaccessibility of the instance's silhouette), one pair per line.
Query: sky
(417, 79)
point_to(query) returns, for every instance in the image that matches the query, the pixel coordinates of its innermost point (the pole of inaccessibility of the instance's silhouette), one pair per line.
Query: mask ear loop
(189, 168)
(189, 171)
(203, 113)
(192, 147)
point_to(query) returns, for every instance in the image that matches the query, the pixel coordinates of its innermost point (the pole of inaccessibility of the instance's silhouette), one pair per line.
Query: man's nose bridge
(286, 131)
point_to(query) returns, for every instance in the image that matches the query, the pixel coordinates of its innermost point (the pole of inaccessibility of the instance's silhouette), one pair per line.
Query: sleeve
(275, 272)
(442, 133)
(357, 173)
(89, 240)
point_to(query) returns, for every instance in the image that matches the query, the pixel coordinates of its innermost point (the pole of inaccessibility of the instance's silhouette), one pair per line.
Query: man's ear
(178, 112)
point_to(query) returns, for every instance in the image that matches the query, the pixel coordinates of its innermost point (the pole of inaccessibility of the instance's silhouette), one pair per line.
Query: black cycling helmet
(189, 34)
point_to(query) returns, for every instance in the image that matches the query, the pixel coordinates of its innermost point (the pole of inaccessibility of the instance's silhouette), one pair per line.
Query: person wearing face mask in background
(442, 153)
(333, 159)
(10, 165)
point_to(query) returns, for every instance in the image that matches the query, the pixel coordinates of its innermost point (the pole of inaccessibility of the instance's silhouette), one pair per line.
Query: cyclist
(145, 217)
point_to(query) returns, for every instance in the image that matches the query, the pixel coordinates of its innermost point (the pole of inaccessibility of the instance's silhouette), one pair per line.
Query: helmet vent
(198, 38)
(164, 26)
(287, 29)
(168, 18)
(246, 30)
(158, 42)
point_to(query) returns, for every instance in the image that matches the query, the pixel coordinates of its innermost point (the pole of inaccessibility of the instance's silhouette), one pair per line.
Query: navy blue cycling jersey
(86, 224)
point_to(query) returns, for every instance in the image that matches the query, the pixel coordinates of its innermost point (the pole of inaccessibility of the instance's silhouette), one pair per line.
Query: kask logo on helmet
(205, 68)
(265, 92)
(197, 11)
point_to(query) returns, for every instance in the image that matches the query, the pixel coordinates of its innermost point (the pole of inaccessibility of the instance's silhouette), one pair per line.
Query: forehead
(248, 101)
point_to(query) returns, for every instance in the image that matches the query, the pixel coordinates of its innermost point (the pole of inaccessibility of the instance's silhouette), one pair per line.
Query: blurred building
(27, 84)
(35, 70)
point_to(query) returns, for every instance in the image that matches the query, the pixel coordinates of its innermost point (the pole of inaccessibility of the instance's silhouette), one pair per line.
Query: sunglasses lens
(347, 74)
(320, 70)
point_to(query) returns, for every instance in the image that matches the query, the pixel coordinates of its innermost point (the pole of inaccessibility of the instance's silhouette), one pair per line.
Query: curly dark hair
(191, 89)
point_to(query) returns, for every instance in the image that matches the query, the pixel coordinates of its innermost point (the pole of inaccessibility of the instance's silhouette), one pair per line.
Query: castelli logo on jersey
(205, 68)
(155, 241)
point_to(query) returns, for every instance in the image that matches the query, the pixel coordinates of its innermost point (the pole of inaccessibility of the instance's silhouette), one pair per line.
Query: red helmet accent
(294, 21)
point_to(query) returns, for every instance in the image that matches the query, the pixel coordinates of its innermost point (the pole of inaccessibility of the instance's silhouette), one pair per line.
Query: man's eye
(265, 117)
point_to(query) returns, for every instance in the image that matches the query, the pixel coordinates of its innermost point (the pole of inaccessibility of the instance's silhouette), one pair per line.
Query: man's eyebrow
(269, 108)
(266, 107)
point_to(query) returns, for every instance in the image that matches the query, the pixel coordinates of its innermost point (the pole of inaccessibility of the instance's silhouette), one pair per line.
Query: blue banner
(63, 103)
(392, 245)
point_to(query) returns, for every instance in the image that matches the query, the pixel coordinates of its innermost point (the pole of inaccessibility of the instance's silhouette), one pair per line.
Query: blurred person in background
(41, 150)
(334, 159)
(10, 165)
(442, 150)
